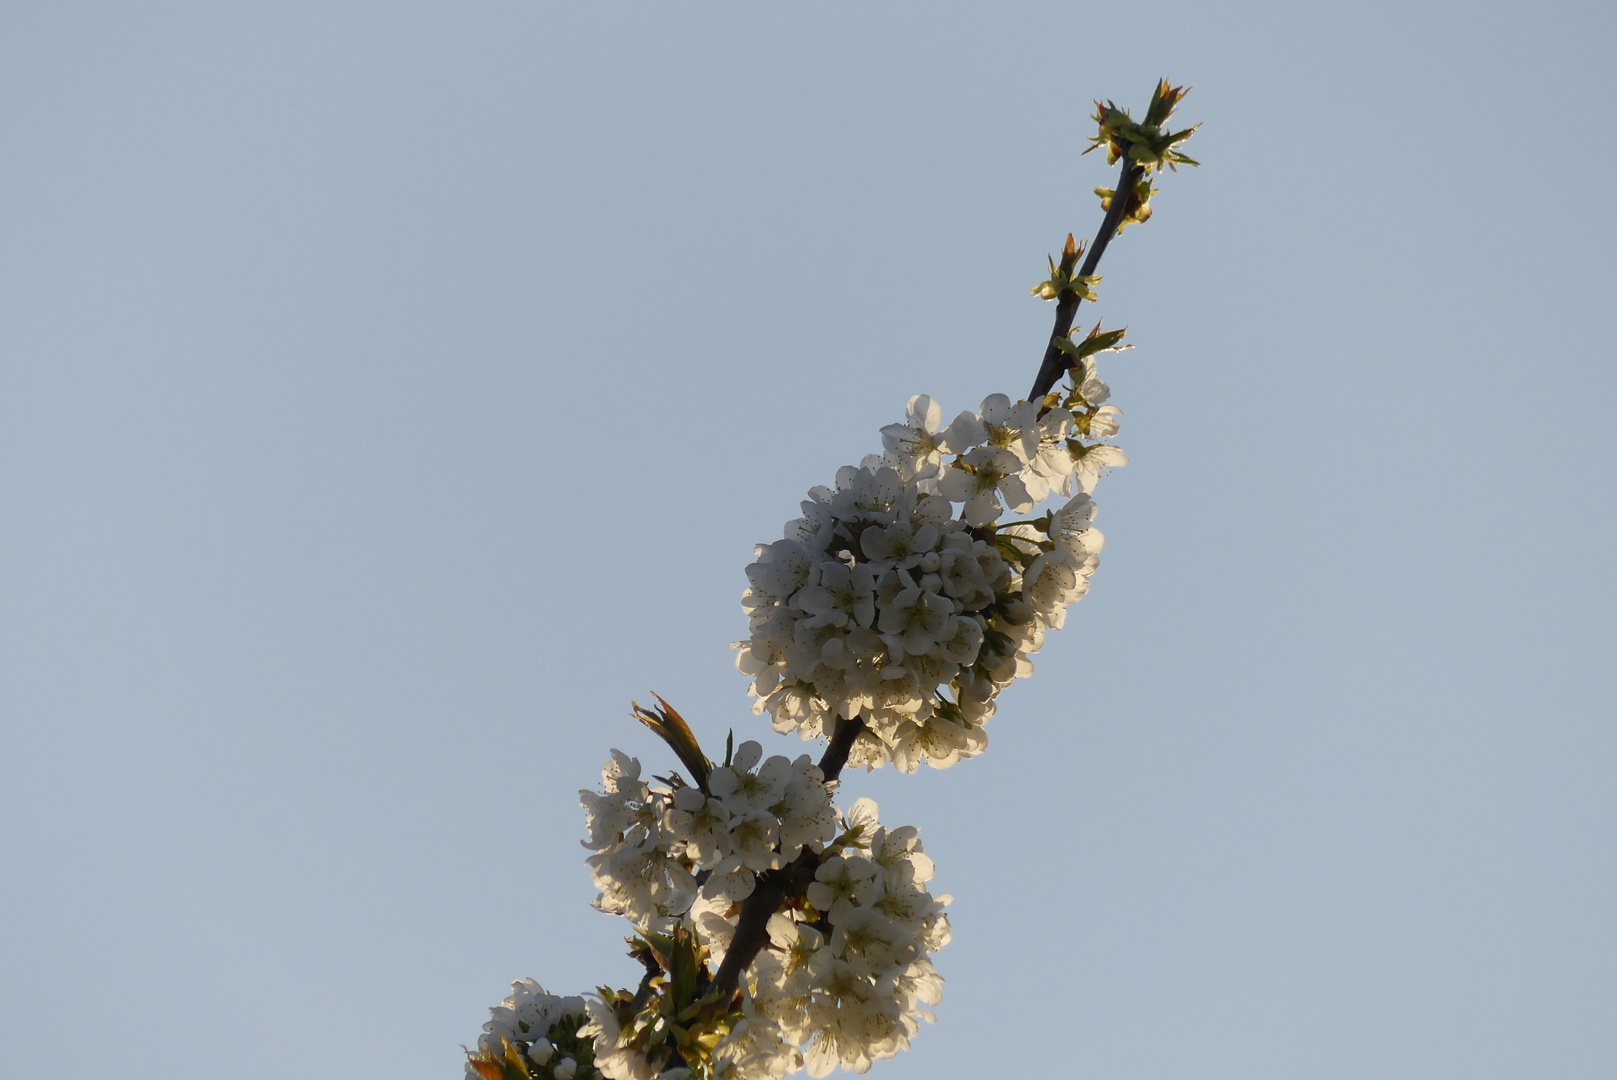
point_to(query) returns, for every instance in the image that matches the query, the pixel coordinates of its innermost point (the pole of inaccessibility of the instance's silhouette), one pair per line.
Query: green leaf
(673, 730)
(1094, 342)
(1061, 277)
(1146, 143)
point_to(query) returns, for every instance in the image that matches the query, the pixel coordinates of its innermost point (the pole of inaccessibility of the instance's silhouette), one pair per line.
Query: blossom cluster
(843, 981)
(657, 847)
(847, 975)
(881, 603)
(541, 1030)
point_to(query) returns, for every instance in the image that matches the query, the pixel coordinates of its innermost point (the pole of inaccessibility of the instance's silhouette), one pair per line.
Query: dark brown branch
(775, 888)
(836, 754)
(1055, 361)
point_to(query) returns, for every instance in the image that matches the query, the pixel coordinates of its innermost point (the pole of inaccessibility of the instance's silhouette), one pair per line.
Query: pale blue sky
(391, 392)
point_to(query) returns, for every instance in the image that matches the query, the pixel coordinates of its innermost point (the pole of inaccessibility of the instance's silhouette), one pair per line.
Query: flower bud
(541, 1051)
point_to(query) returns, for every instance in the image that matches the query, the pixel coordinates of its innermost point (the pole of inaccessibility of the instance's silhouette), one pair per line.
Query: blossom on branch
(883, 603)
(849, 969)
(532, 1033)
(776, 933)
(657, 846)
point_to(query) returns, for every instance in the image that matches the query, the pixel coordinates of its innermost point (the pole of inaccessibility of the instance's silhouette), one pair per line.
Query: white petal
(746, 756)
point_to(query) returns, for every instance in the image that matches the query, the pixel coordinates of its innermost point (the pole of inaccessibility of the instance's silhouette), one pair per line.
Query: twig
(773, 889)
(836, 754)
(1055, 362)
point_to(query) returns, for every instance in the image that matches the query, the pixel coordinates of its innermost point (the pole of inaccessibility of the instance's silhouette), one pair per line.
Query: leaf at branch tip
(673, 730)
(1164, 100)
(1094, 342)
(1145, 143)
(1071, 253)
(1061, 277)
(488, 1070)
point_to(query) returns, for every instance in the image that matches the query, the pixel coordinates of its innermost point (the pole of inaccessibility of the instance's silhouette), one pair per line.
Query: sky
(391, 393)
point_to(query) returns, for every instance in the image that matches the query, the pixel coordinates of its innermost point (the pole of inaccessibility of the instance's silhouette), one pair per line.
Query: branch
(836, 754)
(775, 887)
(1055, 362)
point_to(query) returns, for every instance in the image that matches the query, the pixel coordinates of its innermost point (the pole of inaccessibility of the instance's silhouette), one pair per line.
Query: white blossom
(854, 996)
(979, 477)
(1087, 470)
(526, 1020)
(650, 844)
(917, 437)
(1011, 427)
(885, 604)
(903, 599)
